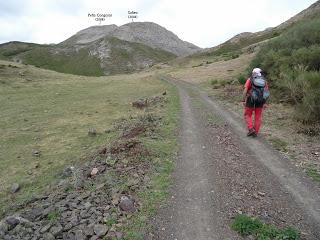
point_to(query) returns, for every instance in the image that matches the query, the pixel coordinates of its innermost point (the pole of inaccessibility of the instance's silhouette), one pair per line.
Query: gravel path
(221, 172)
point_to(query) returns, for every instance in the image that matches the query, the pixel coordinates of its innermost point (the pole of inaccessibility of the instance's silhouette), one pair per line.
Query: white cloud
(203, 22)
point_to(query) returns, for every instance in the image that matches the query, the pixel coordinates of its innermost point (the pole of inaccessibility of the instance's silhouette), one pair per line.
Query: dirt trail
(220, 172)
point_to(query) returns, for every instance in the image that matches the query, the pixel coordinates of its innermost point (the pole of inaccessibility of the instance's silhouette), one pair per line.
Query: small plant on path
(247, 226)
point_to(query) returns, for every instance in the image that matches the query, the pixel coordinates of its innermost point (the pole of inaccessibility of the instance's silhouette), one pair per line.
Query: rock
(87, 205)
(94, 238)
(74, 220)
(68, 236)
(36, 153)
(100, 186)
(256, 196)
(239, 211)
(4, 227)
(141, 103)
(94, 172)
(67, 172)
(126, 204)
(48, 236)
(100, 230)
(84, 214)
(34, 213)
(133, 182)
(108, 130)
(67, 227)
(92, 132)
(15, 187)
(56, 230)
(78, 179)
(115, 199)
(48, 210)
(102, 168)
(45, 228)
(79, 235)
(119, 235)
(88, 230)
(12, 221)
(110, 161)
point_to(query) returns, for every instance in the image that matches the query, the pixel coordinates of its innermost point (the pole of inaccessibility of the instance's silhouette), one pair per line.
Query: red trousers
(257, 117)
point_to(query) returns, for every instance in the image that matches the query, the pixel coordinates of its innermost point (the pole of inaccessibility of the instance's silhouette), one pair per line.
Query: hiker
(255, 95)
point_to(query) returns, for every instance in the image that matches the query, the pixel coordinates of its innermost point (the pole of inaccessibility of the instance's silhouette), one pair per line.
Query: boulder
(126, 204)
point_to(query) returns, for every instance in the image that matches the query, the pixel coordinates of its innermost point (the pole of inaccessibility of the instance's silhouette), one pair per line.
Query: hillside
(102, 50)
(240, 42)
(104, 56)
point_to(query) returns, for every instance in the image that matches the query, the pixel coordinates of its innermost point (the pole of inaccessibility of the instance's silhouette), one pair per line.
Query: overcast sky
(205, 23)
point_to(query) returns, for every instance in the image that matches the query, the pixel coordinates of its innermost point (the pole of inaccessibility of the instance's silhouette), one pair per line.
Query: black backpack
(258, 94)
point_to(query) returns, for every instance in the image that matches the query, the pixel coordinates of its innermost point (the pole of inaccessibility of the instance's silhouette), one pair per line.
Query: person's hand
(265, 106)
(243, 103)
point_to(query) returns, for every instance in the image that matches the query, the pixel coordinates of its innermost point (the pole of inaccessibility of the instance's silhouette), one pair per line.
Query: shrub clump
(293, 64)
(247, 226)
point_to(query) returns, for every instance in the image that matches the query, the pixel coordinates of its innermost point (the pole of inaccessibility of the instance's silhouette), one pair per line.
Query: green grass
(53, 216)
(214, 81)
(110, 222)
(314, 174)
(279, 144)
(247, 226)
(52, 112)
(13, 48)
(218, 83)
(74, 62)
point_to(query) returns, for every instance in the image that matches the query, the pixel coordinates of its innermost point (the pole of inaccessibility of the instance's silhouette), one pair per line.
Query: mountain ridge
(148, 33)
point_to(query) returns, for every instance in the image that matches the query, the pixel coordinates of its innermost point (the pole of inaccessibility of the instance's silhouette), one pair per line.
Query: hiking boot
(251, 132)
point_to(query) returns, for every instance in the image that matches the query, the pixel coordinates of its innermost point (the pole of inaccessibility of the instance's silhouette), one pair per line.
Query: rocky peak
(148, 33)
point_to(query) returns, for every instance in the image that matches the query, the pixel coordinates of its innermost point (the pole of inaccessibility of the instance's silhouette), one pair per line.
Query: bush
(303, 88)
(214, 81)
(242, 79)
(308, 109)
(245, 225)
(235, 55)
(293, 64)
(300, 45)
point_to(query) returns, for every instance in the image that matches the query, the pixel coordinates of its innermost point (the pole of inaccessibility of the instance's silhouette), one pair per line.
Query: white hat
(256, 71)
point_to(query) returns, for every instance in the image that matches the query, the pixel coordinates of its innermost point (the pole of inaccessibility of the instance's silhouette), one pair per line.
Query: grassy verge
(163, 149)
(51, 113)
(247, 226)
